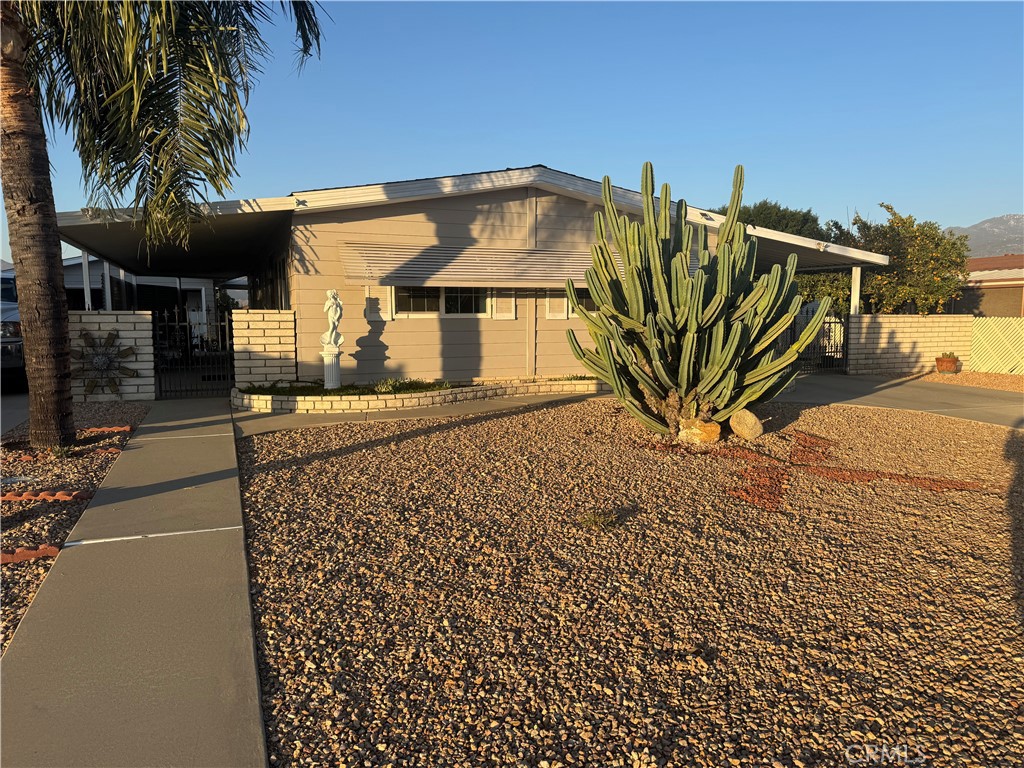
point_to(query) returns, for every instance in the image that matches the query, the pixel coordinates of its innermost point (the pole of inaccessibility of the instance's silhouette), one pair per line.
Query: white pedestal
(332, 367)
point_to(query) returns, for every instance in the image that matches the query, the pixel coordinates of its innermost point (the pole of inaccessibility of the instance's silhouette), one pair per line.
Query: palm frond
(154, 95)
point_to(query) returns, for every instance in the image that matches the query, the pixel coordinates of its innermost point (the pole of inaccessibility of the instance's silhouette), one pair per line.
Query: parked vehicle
(12, 355)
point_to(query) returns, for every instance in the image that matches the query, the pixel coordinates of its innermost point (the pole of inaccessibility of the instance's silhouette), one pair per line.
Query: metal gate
(193, 355)
(827, 353)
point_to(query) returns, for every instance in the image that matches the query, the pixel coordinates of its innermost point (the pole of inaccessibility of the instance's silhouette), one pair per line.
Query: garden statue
(332, 341)
(333, 309)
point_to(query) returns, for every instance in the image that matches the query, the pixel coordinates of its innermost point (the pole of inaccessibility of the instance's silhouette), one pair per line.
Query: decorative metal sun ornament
(101, 363)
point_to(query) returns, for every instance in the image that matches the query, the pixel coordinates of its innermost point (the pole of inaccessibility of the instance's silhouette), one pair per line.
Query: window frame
(440, 313)
(568, 304)
(396, 313)
(487, 302)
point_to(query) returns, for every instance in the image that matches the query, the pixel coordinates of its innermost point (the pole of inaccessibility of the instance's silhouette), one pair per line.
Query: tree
(684, 353)
(154, 96)
(927, 266)
(771, 215)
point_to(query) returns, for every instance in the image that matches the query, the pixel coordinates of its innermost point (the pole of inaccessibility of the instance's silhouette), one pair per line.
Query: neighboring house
(995, 287)
(456, 277)
(113, 287)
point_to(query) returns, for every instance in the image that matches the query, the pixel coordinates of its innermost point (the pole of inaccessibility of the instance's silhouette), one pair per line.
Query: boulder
(699, 432)
(746, 425)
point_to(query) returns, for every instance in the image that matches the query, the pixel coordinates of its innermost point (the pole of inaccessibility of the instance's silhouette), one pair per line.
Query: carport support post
(855, 291)
(86, 282)
(108, 299)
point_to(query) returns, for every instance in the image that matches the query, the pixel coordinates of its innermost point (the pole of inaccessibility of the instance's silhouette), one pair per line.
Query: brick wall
(906, 344)
(264, 345)
(134, 330)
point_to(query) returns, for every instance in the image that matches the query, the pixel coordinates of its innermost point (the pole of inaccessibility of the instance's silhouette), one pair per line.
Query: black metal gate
(827, 353)
(193, 355)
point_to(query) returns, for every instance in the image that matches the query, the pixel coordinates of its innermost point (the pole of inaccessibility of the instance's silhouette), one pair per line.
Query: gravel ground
(1008, 382)
(547, 588)
(31, 523)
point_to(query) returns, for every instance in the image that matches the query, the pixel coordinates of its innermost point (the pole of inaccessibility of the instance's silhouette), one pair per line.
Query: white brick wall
(264, 345)
(907, 344)
(133, 329)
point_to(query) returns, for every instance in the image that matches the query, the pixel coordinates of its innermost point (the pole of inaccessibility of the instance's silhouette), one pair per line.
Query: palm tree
(154, 96)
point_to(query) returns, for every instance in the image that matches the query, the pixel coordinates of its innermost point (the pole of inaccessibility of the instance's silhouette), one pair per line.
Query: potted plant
(947, 363)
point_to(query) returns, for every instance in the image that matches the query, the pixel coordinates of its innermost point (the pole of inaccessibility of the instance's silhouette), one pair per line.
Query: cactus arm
(711, 313)
(769, 336)
(748, 303)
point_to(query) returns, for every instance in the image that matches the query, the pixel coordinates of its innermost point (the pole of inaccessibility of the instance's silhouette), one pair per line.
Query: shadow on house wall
(460, 343)
(371, 353)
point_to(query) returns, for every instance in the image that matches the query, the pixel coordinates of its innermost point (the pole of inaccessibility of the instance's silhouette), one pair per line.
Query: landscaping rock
(746, 425)
(429, 593)
(697, 432)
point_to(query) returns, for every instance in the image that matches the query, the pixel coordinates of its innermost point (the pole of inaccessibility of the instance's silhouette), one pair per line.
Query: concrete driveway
(988, 405)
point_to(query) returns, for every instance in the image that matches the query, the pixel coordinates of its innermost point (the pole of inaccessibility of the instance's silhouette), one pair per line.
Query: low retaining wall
(335, 403)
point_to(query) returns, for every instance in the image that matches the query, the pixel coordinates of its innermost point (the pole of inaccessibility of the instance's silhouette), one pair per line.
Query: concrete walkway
(138, 649)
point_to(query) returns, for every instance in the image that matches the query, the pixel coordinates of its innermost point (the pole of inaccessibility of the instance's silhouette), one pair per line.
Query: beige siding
(564, 223)
(457, 349)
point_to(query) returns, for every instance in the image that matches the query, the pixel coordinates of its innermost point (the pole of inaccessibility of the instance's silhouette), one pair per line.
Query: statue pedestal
(332, 367)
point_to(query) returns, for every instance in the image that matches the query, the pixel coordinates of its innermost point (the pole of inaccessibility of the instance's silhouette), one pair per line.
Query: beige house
(457, 277)
(995, 287)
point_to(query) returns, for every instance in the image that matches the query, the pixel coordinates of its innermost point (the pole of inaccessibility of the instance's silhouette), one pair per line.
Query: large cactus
(685, 351)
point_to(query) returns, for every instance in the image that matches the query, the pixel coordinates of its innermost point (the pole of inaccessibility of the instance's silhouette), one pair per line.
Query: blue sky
(833, 106)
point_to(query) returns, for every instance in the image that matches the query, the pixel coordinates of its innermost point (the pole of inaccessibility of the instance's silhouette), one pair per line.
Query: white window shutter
(503, 304)
(378, 304)
(558, 305)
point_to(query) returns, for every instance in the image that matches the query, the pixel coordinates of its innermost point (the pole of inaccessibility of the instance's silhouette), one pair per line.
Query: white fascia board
(411, 191)
(87, 216)
(856, 254)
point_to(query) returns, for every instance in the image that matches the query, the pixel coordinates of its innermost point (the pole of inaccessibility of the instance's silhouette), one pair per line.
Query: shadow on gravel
(453, 422)
(1015, 510)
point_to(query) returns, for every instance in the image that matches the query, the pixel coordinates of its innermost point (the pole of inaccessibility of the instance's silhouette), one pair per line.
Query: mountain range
(995, 236)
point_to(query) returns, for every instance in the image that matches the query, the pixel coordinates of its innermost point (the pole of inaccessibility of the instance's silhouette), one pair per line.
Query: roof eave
(87, 216)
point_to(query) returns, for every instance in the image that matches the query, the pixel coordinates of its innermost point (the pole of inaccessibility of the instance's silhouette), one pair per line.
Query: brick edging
(20, 554)
(368, 403)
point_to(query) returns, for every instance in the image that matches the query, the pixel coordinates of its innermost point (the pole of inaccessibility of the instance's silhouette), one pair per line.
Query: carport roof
(239, 230)
(237, 234)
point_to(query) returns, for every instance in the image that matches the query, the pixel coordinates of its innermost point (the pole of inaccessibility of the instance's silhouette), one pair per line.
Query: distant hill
(994, 237)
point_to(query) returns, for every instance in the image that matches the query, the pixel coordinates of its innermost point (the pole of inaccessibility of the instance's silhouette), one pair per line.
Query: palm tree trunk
(35, 244)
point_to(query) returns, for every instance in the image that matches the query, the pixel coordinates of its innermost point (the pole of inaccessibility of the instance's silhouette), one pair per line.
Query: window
(586, 300)
(465, 301)
(412, 300)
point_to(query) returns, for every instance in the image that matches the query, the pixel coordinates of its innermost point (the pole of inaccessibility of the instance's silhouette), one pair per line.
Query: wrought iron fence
(193, 354)
(827, 353)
